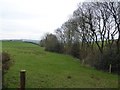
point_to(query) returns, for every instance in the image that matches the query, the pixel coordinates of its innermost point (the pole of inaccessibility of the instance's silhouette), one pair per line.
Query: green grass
(51, 70)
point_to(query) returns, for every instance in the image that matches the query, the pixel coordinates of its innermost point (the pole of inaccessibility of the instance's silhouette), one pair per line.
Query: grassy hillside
(51, 70)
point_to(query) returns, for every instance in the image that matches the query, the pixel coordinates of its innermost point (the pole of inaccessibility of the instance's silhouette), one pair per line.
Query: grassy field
(52, 70)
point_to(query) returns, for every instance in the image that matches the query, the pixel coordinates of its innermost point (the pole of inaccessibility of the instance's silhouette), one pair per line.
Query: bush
(110, 57)
(75, 50)
(5, 61)
(91, 56)
(102, 61)
(52, 44)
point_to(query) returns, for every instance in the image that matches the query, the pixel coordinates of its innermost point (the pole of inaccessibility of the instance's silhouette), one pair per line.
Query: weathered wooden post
(22, 79)
(83, 61)
(110, 68)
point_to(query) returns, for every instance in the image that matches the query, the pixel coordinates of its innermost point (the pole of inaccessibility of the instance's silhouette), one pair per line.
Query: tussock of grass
(52, 70)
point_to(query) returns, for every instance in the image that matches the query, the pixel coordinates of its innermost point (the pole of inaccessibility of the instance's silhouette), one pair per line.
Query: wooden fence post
(110, 68)
(83, 61)
(22, 79)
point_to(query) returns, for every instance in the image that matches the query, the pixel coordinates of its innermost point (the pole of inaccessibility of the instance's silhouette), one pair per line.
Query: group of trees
(51, 43)
(91, 34)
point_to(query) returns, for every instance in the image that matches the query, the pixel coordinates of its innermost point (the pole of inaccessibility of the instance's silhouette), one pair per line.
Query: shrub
(108, 57)
(102, 61)
(5, 61)
(75, 50)
(52, 44)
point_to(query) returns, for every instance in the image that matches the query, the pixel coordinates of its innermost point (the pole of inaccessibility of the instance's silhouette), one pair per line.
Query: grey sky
(31, 19)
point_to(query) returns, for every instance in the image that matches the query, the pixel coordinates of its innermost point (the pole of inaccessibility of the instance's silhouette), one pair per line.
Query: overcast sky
(31, 19)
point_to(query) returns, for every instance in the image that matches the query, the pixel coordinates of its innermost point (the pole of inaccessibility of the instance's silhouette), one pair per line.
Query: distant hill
(23, 40)
(33, 41)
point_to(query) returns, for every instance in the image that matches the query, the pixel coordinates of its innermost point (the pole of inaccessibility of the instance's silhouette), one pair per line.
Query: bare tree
(114, 9)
